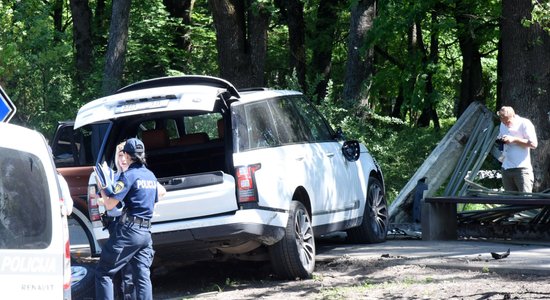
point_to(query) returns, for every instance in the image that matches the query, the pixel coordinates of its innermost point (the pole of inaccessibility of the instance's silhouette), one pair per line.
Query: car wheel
(374, 227)
(82, 281)
(294, 255)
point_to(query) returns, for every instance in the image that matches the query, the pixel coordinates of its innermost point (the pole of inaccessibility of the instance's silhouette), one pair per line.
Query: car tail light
(246, 183)
(66, 257)
(93, 206)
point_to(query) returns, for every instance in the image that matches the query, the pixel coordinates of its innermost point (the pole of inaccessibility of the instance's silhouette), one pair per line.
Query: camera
(500, 143)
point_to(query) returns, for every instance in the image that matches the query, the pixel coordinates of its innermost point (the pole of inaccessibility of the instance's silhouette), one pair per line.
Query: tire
(374, 227)
(294, 255)
(82, 281)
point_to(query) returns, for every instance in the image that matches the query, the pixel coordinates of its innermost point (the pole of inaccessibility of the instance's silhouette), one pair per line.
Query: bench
(439, 214)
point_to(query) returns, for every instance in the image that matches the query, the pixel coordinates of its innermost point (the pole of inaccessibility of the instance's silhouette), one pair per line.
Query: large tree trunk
(359, 66)
(116, 48)
(525, 62)
(82, 37)
(297, 37)
(322, 40)
(241, 41)
(471, 85)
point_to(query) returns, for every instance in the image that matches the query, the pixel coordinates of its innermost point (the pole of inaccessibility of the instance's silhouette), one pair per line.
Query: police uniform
(130, 241)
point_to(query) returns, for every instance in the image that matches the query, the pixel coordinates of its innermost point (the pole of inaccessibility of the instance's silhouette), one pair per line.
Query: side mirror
(351, 150)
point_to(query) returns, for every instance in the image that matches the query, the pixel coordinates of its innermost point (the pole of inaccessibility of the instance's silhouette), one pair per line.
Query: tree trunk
(296, 34)
(525, 63)
(471, 85)
(181, 9)
(82, 37)
(359, 66)
(429, 112)
(241, 41)
(57, 19)
(99, 30)
(116, 48)
(322, 40)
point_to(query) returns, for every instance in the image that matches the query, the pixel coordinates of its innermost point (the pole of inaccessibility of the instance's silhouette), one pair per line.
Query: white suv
(249, 174)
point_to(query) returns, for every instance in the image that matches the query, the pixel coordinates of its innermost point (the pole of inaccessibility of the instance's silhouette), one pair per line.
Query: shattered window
(25, 208)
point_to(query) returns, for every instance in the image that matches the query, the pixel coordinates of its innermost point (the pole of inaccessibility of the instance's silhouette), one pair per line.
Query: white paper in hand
(104, 176)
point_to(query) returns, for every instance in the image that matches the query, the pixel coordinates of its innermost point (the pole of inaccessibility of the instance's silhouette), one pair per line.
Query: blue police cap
(134, 145)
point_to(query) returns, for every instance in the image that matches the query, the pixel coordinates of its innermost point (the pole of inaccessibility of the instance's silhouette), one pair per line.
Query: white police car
(34, 237)
(250, 174)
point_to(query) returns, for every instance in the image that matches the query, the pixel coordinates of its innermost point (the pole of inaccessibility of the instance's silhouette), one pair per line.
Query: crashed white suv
(249, 174)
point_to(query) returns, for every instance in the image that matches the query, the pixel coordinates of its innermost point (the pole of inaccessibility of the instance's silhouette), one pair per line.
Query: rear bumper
(215, 232)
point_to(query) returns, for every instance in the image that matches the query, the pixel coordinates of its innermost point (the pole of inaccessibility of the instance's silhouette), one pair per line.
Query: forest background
(394, 74)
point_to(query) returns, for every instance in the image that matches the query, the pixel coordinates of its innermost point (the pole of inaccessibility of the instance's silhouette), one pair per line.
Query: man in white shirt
(519, 137)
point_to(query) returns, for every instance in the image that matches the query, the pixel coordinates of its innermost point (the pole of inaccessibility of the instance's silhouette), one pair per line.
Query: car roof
(11, 138)
(198, 93)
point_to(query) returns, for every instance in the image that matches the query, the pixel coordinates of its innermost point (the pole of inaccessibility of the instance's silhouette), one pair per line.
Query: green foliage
(34, 68)
(539, 15)
(399, 148)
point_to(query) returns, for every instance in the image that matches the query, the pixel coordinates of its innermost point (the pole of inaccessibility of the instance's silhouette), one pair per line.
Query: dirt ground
(346, 278)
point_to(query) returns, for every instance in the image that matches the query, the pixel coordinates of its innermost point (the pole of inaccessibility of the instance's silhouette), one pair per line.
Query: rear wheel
(374, 227)
(294, 255)
(82, 281)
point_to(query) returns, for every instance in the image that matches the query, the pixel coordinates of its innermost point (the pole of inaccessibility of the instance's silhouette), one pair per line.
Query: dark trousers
(128, 245)
(123, 280)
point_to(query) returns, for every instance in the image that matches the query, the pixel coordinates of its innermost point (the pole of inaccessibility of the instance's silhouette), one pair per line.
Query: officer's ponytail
(138, 157)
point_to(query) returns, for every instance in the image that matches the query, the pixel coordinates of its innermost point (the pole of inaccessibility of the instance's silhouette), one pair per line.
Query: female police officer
(131, 241)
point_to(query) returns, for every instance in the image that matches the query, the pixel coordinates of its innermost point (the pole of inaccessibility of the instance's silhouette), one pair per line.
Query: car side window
(320, 131)
(261, 128)
(77, 147)
(291, 125)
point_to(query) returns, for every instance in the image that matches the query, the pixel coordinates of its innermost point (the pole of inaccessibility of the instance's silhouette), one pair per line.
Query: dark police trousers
(123, 281)
(129, 243)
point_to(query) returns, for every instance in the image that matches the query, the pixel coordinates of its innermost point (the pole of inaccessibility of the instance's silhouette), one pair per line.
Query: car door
(339, 202)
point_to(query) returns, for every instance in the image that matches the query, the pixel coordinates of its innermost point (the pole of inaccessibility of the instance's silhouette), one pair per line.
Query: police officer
(130, 241)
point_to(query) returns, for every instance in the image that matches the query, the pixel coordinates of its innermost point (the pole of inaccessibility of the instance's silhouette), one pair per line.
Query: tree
(241, 32)
(116, 49)
(359, 67)
(430, 60)
(475, 26)
(322, 43)
(525, 65)
(82, 39)
(293, 13)
(181, 11)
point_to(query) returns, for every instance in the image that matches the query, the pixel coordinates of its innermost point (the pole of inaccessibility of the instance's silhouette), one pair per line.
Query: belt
(133, 220)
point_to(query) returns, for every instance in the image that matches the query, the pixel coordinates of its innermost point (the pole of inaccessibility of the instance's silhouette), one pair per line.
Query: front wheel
(294, 255)
(374, 227)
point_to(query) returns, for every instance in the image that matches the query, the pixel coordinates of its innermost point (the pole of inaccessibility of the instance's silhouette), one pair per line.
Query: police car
(250, 174)
(34, 237)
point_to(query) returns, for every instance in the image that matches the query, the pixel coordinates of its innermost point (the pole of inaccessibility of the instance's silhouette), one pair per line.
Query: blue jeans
(128, 245)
